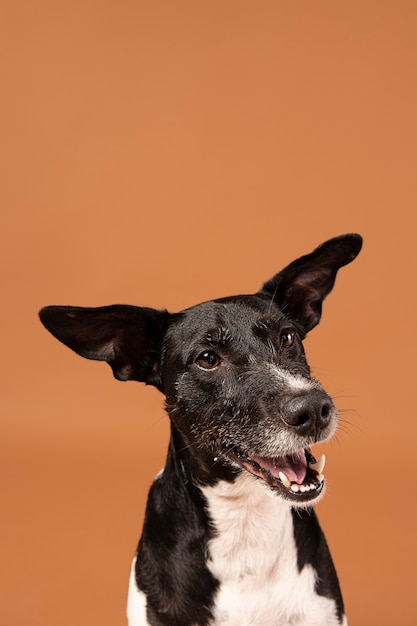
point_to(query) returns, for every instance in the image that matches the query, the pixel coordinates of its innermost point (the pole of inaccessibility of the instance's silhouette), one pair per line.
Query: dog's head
(237, 384)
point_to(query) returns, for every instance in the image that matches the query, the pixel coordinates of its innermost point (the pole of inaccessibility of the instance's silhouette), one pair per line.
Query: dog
(230, 537)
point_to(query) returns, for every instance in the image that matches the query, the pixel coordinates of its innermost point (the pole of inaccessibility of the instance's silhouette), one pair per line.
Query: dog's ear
(300, 288)
(127, 337)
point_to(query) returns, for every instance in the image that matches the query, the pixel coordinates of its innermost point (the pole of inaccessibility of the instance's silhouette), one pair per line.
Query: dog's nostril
(302, 419)
(325, 414)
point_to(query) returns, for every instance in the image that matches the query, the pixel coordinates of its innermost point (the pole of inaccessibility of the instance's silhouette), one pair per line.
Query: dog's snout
(308, 413)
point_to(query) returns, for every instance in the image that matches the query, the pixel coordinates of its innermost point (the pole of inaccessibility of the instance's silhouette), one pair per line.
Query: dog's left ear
(300, 288)
(127, 337)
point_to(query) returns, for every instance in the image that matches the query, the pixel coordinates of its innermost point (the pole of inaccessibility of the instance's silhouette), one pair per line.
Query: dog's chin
(296, 477)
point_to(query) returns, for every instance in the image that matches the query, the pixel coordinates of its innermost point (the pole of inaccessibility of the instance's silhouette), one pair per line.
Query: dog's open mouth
(298, 476)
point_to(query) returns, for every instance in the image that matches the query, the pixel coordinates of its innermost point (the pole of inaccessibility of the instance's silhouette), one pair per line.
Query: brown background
(162, 153)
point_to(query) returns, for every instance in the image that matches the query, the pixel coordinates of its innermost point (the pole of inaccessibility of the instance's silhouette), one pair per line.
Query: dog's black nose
(308, 413)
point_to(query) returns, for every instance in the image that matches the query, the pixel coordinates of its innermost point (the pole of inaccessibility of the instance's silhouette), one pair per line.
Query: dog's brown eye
(286, 339)
(208, 360)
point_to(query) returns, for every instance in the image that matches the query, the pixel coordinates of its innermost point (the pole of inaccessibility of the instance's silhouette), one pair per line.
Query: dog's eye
(286, 339)
(208, 360)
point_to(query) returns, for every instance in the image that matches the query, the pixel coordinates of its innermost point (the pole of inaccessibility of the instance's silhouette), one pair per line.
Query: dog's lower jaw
(296, 478)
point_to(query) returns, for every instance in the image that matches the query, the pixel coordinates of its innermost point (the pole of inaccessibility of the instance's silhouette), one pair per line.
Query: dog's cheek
(199, 407)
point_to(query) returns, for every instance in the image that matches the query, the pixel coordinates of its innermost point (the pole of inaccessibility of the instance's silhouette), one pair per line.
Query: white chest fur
(254, 557)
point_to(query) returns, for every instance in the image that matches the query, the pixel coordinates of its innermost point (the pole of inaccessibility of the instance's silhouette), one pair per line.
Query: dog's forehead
(237, 316)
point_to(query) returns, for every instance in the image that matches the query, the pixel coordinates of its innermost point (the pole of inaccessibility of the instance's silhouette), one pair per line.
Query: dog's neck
(193, 465)
(246, 515)
(254, 552)
(248, 518)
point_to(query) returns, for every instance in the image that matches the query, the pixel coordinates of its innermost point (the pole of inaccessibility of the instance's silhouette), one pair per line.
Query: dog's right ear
(127, 337)
(300, 288)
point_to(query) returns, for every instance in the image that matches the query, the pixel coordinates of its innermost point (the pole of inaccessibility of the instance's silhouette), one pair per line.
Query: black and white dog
(230, 537)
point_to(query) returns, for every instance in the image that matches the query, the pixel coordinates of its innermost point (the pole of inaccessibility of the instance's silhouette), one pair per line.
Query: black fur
(312, 549)
(171, 566)
(224, 368)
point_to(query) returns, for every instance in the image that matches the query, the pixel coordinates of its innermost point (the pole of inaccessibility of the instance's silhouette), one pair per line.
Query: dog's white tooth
(319, 466)
(322, 463)
(285, 481)
(295, 487)
(320, 478)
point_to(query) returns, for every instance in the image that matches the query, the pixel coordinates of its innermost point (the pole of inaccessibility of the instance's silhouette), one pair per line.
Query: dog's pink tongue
(294, 466)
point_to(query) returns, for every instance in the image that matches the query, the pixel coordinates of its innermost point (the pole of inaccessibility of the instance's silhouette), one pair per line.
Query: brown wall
(161, 153)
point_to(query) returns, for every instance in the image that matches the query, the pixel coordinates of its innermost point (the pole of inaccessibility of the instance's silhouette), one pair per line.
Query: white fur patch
(294, 381)
(136, 603)
(255, 559)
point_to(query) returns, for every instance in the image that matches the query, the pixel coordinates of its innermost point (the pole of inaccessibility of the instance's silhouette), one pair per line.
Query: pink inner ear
(124, 372)
(106, 351)
(98, 352)
(312, 279)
